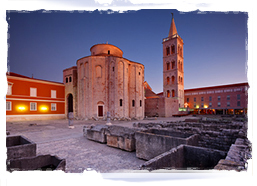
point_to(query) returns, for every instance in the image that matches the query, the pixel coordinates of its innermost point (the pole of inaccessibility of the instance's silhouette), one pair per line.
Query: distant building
(33, 99)
(105, 82)
(223, 99)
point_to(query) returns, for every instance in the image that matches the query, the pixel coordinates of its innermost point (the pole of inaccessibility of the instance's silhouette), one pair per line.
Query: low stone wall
(19, 147)
(185, 157)
(237, 156)
(151, 143)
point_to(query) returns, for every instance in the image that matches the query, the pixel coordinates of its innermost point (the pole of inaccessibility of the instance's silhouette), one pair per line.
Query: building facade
(33, 99)
(105, 82)
(224, 99)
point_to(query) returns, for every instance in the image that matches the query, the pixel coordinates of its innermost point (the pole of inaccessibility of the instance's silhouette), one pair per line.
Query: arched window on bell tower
(167, 51)
(168, 80)
(173, 49)
(168, 66)
(168, 93)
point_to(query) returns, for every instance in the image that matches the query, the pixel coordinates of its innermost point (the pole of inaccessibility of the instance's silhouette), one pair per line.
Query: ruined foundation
(153, 142)
(20, 147)
(186, 157)
(42, 162)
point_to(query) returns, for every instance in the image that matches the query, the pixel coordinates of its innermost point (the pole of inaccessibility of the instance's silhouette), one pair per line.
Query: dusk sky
(44, 44)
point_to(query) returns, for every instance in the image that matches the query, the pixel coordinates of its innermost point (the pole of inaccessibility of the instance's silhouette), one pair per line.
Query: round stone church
(105, 82)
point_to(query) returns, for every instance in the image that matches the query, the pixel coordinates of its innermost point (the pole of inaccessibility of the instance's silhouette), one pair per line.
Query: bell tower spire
(173, 29)
(173, 65)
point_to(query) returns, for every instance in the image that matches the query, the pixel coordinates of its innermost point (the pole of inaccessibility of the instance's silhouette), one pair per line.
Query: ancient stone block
(96, 133)
(41, 162)
(121, 137)
(19, 147)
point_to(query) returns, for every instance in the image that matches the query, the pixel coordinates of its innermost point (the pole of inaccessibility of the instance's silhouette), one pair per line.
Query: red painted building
(224, 99)
(33, 99)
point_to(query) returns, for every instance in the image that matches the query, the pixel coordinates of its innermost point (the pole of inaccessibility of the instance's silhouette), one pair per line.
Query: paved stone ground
(55, 138)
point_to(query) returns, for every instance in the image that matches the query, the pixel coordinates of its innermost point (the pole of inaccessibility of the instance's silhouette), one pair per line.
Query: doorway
(70, 103)
(100, 110)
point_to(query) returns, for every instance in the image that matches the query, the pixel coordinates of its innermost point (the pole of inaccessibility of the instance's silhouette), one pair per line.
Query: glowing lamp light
(197, 106)
(21, 108)
(43, 108)
(205, 106)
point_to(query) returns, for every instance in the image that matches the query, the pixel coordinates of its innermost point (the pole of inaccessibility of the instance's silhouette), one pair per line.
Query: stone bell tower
(173, 66)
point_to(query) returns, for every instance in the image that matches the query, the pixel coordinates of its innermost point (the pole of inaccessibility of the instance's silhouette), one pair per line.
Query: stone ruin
(202, 144)
(21, 156)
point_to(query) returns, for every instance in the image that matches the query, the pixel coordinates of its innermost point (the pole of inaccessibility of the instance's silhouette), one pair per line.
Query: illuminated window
(168, 93)
(8, 105)
(33, 106)
(53, 107)
(173, 93)
(168, 80)
(33, 92)
(53, 93)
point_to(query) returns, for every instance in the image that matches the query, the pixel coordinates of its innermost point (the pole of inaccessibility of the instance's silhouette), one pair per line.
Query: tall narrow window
(238, 103)
(53, 107)
(210, 98)
(168, 93)
(210, 104)
(33, 106)
(108, 51)
(168, 66)
(70, 78)
(168, 80)
(120, 102)
(140, 103)
(238, 96)
(173, 79)
(173, 93)
(168, 51)
(201, 98)
(67, 79)
(9, 90)
(172, 64)
(172, 49)
(33, 92)
(228, 97)
(218, 98)
(53, 93)
(8, 105)
(228, 104)
(133, 103)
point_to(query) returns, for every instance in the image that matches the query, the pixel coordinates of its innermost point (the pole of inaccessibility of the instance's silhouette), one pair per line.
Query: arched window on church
(172, 64)
(168, 80)
(168, 66)
(173, 93)
(178, 49)
(167, 51)
(181, 51)
(168, 93)
(181, 80)
(172, 49)
(173, 79)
